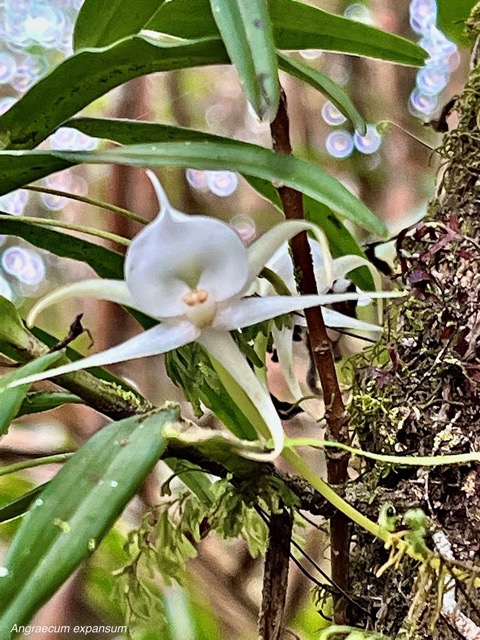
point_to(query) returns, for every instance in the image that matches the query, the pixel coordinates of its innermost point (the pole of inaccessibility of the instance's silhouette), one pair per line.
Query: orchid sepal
(260, 252)
(237, 314)
(154, 341)
(97, 289)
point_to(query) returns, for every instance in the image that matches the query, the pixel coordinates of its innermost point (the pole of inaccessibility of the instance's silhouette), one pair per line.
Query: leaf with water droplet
(41, 557)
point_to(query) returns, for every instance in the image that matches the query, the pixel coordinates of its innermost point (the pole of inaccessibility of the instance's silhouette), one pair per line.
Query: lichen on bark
(419, 392)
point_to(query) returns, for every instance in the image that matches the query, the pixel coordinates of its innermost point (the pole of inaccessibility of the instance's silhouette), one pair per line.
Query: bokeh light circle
(421, 104)
(196, 179)
(332, 115)
(15, 202)
(25, 265)
(245, 226)
(360, 13)
(8, 66)
(370, 142)
(5, 289)
(222, 183)
(339, 144)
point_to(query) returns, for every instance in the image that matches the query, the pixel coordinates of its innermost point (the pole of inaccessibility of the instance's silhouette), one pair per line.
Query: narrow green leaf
(12, 330)
(296, 26)
(301, 26)
(76, 510)
(325, 86)
(183, 366)
(38, 401)
(451, 19)
(100, 24)
(17, 171)
(12, 399)
(247, 34)
(90, 74)
(105, 262)
(194, 478)
(245, 158)
(20, 505)
(134, 132)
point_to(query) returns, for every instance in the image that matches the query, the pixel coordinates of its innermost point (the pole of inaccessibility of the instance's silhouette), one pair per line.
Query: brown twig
(275, 577)
(335, 413)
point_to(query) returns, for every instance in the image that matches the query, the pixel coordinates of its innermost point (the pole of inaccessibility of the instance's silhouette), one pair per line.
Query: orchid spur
(191, 273)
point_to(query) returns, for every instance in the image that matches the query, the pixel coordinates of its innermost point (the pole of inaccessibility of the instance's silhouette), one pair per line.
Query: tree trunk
(419, 393)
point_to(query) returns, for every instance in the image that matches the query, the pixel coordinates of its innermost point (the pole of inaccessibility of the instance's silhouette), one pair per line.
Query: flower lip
(177, 254)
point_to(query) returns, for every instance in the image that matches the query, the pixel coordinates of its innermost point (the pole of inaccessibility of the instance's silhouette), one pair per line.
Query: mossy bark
(419, 392)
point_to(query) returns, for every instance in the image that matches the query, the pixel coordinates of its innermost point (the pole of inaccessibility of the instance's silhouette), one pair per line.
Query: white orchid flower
(329, 274)
(191, 273)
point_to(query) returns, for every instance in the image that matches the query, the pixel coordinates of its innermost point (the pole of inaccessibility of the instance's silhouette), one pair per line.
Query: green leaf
(76, 510)
(247, 34)
(100, 24)
(105, 262)
(135, 132)
(17, 171)
(451, 19)
(12, 330)
(20, 505)
(327, 87)
(300, 26)
(88, 75)
(38, 401)
(296, 26)
(11, 399)
(184, 366)
(238, 156)
(193, 477)
(245, 158)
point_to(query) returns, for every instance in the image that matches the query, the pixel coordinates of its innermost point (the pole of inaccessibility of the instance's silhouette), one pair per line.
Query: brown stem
(335, 412)
(275, 578)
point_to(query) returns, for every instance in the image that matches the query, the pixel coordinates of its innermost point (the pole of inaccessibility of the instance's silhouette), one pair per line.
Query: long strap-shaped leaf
(296, 26)
(243, 157)
(247, 34)
(89, 74)
(75, 511)
(100, 24)
(106, 262)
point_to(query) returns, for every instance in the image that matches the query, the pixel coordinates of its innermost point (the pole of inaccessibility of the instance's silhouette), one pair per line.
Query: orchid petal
(335, 320)
(111, 290)
(260, 252)
(283, 341)
(159, 339)
(177, 253)
(223, 348)
(344, 264)
(237, 314)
